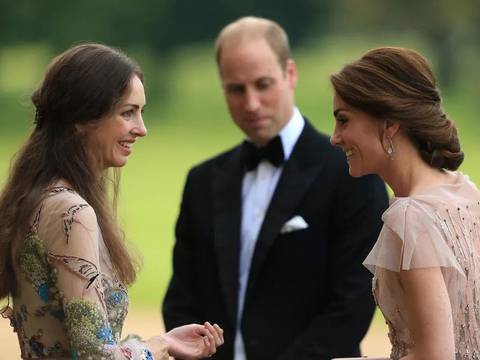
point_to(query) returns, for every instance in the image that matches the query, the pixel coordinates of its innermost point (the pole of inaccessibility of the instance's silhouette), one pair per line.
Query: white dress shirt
(257, 190)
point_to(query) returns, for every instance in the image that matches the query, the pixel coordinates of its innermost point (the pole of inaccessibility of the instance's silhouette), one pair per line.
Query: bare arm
(429, 314)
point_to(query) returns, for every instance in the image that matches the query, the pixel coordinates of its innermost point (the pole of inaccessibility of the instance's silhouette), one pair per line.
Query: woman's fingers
(209, 346)
(213, 343)
(206, 342)
(219, 331)
(216, 334)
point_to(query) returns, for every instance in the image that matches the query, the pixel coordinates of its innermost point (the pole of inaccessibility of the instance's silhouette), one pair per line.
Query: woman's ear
(83, 129)
(390, 128)
(80, 128)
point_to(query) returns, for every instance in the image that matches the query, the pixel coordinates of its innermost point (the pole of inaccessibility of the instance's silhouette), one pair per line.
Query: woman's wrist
(166, 339)
(158, 346)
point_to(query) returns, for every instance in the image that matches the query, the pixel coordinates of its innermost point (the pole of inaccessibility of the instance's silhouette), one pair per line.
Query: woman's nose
(140, 129)
(335, 139)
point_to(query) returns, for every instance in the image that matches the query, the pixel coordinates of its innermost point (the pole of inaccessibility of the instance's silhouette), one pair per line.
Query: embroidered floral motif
(69, 218)
(22, 314)
(53, 309)
(33, 262)
(36, 345)
(147, 354)
(116, 299)
(43, 292)
(37, 348)
(87, 328)
(86, 269)
(50, 326)
(59, 189)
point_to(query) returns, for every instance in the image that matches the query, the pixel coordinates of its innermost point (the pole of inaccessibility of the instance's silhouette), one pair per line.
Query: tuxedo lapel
(297, 176)
(227, 184)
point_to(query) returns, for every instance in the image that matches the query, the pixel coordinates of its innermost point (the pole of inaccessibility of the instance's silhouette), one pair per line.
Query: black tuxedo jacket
(308, 296)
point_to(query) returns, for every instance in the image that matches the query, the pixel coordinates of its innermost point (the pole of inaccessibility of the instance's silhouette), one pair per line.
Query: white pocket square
(294, 224)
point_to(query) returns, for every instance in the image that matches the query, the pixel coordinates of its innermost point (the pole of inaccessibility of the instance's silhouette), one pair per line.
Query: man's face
(259, 93)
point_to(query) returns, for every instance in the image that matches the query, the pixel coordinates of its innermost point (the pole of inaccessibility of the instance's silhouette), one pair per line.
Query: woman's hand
(159, 347)
(194, 341)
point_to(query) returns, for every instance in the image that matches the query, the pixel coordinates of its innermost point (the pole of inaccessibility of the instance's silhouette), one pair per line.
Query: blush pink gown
(437, 228)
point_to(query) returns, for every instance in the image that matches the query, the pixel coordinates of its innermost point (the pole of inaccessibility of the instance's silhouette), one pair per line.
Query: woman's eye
(128, 113)
(342, 119)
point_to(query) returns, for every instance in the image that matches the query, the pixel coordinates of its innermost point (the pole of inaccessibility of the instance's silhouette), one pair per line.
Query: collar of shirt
(291, 132)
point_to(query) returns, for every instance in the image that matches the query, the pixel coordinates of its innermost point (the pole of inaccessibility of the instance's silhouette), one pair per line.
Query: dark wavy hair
(81, 86)
(397, 84)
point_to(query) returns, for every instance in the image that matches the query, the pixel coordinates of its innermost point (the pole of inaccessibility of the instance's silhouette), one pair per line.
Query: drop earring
(390, 148)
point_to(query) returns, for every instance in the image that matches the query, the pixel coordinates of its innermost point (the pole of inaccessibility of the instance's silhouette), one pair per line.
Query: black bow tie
(252, 155)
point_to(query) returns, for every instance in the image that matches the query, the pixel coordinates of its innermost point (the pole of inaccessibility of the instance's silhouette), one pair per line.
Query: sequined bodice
(448, 220)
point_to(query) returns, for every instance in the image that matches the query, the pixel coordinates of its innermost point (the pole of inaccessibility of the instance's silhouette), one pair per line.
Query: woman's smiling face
(359, 135)
(113, 137)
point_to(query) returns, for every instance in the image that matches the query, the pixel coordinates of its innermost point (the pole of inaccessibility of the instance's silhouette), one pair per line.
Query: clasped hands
(188, 342)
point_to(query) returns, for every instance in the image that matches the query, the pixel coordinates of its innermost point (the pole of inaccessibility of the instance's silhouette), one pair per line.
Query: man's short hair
(252, 28)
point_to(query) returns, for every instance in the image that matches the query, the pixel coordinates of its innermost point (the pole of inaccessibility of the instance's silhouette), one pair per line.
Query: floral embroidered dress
(440, 227)
(69, 303)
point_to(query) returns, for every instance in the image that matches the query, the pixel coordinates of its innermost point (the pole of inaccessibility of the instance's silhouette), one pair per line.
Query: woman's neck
(408, 174)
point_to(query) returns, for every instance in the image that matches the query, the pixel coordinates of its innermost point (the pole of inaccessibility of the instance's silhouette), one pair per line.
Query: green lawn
(190, 127)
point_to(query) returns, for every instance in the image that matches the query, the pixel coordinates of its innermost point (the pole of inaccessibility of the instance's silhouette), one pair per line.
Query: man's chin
(261, 138)
(261, 141)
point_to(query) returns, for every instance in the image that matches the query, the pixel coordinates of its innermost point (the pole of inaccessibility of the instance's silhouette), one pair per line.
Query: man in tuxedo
(272, 233)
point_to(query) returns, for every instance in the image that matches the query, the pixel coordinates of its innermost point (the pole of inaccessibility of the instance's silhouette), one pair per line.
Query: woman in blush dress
(63, 259)
(426, 262)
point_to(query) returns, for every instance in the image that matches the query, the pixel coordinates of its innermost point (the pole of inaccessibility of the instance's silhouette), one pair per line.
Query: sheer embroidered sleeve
(73, 244)
(413, 236)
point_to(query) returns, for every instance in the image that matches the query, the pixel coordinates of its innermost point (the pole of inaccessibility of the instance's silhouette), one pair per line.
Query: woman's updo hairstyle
(397, 84)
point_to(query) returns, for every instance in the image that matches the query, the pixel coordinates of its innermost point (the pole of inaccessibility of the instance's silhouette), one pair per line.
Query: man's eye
(263, 85)
(342, 119)
(235, 89)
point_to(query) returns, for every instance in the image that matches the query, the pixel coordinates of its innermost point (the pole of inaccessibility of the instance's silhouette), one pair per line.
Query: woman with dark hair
(63, 257)
(426, 262)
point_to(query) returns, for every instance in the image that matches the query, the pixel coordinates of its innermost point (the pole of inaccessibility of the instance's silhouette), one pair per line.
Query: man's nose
(252, 101)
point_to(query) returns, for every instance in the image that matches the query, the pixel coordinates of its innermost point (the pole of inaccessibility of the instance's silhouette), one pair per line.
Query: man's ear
(291, 73)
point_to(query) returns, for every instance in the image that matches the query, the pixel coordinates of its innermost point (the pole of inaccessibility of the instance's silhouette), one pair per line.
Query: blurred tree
(445, 25)
(201, 20)
(161, 24)
(145, 25)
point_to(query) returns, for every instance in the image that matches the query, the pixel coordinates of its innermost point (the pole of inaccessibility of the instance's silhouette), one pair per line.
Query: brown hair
(81, 86)
(250, 27)
(397, 84)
